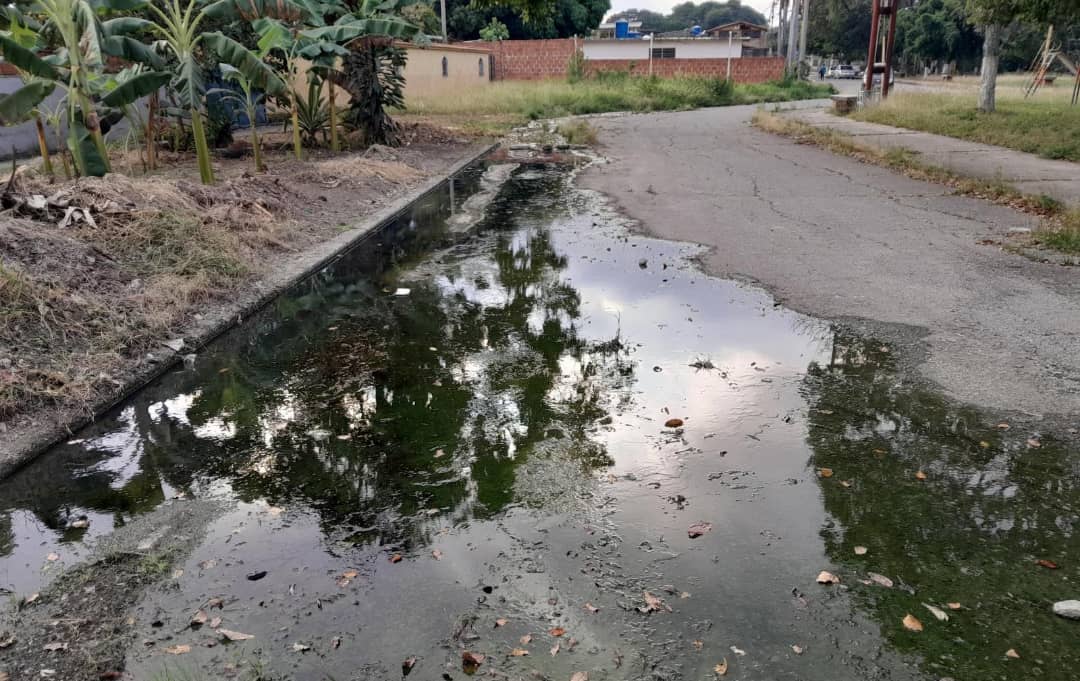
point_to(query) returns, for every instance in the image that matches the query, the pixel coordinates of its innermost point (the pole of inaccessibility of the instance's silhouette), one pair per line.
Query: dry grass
(81, 307)
(1045, 124)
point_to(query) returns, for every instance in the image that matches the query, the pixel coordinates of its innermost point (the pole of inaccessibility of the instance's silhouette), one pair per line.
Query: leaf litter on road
(526, 639)
(937, 612)
(234, 635)
(580, 676)
(721, 668)
(698, 529)
(825, 577)
(912, 623)
(880, 580)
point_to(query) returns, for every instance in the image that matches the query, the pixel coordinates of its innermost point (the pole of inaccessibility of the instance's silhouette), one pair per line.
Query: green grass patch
(611, 92)
(1049, 127)
(578, 132)
(1063, 234)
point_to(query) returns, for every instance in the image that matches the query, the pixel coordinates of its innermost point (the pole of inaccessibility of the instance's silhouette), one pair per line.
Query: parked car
(844, 71)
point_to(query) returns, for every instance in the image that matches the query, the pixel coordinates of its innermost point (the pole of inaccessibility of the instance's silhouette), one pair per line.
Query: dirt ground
(85, 305)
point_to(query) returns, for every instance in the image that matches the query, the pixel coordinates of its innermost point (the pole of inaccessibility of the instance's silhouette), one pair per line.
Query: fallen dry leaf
(912, 623)
(407, 665)
(199, 618)
(673, 423)
(215, 603)
(207, 564)
(178, 573)
(343, 582)
(300, 647)
(526, 639)
(54, 646)
(721, 669)
(1011, 653)
(31, 598)
(571, 643)
(698, 529)
(827, 578)
(737, 650)
(937, 612)
(335, 642)
(556, 631)
(797, 649)
(1033, 443)
(984, 444)
(350, 574)
(275, 510)
(52, 557)
(653, 603)
(824, 472)
(580, 676)
(6, 640)
(178, 649)
(591, 608)
(1048, 564)
(501, 622)
(954, 606)
(845, 483)
(396, 558)
(470, 661)
(439, 453)
(555, 649)
(920, 475)
(698, 645)
(234, 635)
(880, 580)
(1003, 426)
(519, 652)
(215, 623)
(4, 676)
(436, 554)
(860, 550)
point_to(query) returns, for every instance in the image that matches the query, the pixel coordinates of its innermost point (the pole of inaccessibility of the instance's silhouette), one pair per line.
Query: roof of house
(740, 25)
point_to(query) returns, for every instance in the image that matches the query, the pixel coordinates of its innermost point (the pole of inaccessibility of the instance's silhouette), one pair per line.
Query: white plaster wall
(639, 49)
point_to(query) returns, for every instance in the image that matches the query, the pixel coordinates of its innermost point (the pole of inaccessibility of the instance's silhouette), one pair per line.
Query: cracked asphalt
(842, 240)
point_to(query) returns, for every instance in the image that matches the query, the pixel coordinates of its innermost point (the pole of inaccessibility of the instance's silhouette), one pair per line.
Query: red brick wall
(530, 59)
(538, 59)
(744, 70)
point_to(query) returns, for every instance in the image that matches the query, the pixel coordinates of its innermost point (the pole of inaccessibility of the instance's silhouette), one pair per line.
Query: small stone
(1069, 609)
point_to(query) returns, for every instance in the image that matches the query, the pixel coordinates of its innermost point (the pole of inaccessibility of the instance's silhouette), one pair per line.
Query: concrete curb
(21, 445)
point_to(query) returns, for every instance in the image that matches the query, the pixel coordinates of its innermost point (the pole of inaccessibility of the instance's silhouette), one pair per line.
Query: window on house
(480, 62)
(445, 67)
(663, 53)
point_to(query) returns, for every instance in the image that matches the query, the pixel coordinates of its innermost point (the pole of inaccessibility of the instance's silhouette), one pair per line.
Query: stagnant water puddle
(454, 440)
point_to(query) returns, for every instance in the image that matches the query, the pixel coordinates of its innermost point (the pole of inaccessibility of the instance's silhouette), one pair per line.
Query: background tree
(839, 29)
(994, 16)
(495, 30)
(565, 19)
(683, 16)
(937, 31)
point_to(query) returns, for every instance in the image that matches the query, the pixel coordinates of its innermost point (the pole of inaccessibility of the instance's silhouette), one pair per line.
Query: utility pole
(442, 6)
(802, 31)
(781, 28)
(793, 26)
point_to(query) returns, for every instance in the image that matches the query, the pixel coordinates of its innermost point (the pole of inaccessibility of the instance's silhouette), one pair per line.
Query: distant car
(844, 71)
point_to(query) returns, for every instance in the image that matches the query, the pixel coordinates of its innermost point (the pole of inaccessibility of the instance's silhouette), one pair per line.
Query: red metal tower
(880, 57)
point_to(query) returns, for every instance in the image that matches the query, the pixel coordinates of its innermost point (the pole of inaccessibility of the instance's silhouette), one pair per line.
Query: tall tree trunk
(43, 145)
(988, 82)
(297, 144)
(334, 146)
(151, 134)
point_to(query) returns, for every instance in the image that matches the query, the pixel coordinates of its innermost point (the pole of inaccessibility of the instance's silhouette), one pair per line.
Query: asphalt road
(839, 239)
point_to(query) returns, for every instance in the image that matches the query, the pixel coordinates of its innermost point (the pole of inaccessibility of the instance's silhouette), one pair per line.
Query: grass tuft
(579, 132)
(1063, 234)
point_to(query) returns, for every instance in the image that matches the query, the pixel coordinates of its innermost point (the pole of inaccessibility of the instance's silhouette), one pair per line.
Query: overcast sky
(664, 6)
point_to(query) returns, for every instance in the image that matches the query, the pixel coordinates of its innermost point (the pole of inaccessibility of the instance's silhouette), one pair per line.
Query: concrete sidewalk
(1028, 173)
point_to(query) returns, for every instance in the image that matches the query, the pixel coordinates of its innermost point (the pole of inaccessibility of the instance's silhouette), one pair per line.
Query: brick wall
(530, 59)
(744, 70)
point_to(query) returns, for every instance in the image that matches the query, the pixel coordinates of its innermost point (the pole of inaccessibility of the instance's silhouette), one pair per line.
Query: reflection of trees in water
(970, 533)
(444, 369)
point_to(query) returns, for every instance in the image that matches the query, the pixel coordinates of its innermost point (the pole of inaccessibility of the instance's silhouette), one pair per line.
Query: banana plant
(23, 31)
(249, 102)
(81, 43)
(327, 43)
(178, 26)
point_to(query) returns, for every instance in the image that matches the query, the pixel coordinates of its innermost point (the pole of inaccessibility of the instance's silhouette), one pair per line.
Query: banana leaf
(348, 31)
(129, 48)
(130, 91)
(249, 10)
(124, 25)
(25, 60)
(20, 104)
(85, 151)
(256, 71)
(10, 16)
(89, 39)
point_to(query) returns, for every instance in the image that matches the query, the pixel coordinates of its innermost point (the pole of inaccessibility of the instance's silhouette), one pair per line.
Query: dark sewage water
(460, 440)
